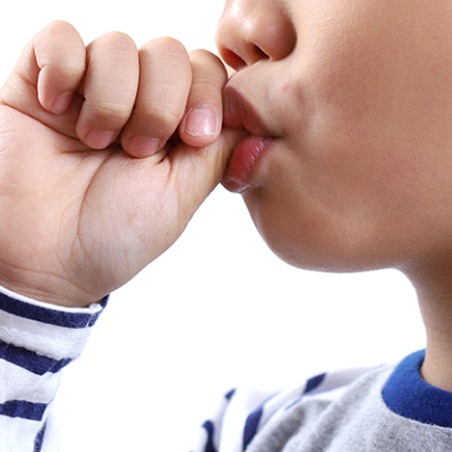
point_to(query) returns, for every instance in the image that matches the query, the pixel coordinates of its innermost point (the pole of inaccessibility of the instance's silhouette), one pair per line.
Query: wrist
(65, 297)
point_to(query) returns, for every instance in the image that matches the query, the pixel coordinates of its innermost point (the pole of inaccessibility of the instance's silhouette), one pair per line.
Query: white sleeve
(37, 340)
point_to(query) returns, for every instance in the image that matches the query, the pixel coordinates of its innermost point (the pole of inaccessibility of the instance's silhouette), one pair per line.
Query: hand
(106, 152)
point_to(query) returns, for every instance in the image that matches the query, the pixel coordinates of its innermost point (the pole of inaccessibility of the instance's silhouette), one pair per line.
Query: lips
(240, 114)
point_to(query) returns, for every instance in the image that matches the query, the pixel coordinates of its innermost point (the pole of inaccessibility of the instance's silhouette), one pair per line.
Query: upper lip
(239, 113)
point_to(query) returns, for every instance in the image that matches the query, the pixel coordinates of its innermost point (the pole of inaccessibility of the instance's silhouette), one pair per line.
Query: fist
(106, 151)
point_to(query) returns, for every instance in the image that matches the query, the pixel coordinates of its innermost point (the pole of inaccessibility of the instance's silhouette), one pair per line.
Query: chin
(315, 240)
(327, 253)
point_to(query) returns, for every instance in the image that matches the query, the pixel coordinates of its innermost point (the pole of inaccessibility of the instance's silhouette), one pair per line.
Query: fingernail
(61, 103)
(144, 146)
(200, 122)
(99, 139)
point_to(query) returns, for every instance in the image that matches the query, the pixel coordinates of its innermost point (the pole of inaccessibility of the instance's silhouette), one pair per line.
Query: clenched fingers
(202, 121)
(165, 80)
(110, 89)
(177, 92)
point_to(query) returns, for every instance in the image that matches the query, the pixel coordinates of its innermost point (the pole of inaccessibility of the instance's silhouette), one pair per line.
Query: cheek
(316, 224)
(361, 91)
(365, 66)
(365, 182)
(343, 205)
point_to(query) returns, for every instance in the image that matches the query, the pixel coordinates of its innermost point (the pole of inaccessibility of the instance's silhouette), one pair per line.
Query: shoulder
(246, 414)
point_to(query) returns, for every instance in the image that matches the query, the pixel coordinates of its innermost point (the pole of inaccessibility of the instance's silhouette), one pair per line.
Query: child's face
(357, 99)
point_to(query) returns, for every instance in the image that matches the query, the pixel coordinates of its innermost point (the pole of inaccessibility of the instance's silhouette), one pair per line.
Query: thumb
(197, 171)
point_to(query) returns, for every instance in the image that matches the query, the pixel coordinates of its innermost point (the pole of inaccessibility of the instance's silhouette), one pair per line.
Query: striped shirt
(385, 409)
(36, 342)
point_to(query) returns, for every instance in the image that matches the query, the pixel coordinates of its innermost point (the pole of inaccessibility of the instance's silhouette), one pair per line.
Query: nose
(253, 30)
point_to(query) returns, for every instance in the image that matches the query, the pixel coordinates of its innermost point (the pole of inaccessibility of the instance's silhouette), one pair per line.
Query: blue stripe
(228, 396)
(50, 316)
(210, 429)
(24, 410)
(251, 426)
(314, 383)
(31, 361)
(39, 440)
(311, 385)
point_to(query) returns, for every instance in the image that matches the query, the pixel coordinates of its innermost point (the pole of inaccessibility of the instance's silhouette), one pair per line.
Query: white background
(218, 309)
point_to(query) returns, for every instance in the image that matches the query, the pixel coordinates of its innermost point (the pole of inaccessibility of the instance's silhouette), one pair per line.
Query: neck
(433, 284)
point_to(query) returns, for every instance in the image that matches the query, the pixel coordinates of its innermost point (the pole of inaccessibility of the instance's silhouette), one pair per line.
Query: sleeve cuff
(52, 331)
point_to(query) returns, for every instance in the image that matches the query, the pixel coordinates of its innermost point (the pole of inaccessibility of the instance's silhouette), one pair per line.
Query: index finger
(202, 122)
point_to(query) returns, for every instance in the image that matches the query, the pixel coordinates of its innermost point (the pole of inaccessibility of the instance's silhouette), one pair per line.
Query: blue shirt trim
(210, 430)
(48, 315)
(251, 426)
(31, 361)
(313, 383)
(23, 409)
(408, 395)
(39, 440)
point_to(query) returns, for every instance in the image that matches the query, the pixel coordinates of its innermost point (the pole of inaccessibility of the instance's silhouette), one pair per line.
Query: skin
(91, 191)
(358, 96)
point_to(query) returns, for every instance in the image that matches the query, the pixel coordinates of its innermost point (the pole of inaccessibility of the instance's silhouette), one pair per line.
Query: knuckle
(168, 43)
(203, 54)
(204, 57)
(56, 36)
(207, 68)
(120, 42)
(59, 26)
(207, 86)
(60, 46)
(165, 50)
(162, 121)
(112, 112)
(71, 68)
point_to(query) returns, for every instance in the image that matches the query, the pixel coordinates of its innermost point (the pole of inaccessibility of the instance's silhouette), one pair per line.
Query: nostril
(255, 31)
(252, 55)
(260, 54)
(232, 59)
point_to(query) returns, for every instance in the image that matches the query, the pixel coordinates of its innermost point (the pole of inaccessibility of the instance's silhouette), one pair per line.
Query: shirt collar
(407, 394)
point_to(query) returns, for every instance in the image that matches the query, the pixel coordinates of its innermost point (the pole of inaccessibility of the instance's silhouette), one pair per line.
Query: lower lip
(241, 167)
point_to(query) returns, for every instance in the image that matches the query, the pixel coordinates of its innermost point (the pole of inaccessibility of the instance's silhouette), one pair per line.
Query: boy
(336, 132)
